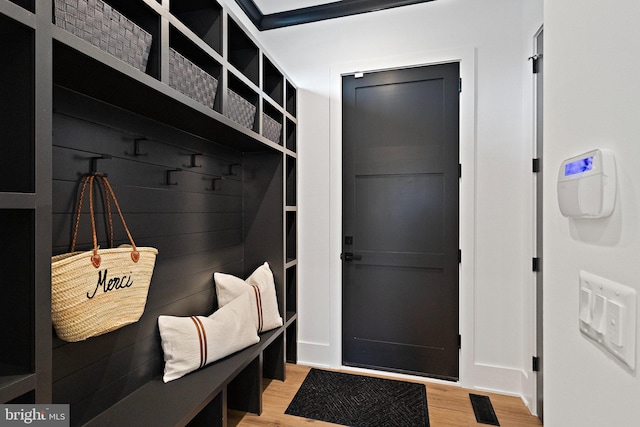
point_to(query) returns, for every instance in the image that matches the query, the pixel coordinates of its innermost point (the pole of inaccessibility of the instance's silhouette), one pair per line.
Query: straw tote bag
(100, 290)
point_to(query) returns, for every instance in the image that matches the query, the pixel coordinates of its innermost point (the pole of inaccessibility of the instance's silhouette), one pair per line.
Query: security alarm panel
(587, 185)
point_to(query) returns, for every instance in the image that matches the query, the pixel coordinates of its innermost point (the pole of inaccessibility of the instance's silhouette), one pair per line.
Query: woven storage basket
(191, 80)
(240, 110)
(98, 291)
(104, 27)
(271, 128)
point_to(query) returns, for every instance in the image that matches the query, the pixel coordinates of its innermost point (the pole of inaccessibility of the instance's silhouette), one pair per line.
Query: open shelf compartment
(17, 226)
(292, 290)
(198, 87)
(292, 339)
(243, 52)
(291, 182)
(272, 81)
(27, 4)
(271, 123)
(291, 99)
(129, 30)
(291, 135)
(17, 116)
(242, 103)
(203, 17)
(291, 243)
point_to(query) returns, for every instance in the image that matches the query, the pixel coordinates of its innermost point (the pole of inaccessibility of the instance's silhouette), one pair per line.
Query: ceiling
(274, 6)
(271, 14)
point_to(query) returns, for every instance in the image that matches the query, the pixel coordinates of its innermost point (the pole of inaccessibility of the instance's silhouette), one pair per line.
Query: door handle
(349, 256)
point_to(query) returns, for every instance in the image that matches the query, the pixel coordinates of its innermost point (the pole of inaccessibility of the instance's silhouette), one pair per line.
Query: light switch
(599, 311)
(585, 305)
(615, 323)
(607, 313)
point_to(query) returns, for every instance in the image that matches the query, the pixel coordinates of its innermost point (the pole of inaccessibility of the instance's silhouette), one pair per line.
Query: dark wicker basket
(240, 110)
(271, 128)
(104, 27)
(191, 80)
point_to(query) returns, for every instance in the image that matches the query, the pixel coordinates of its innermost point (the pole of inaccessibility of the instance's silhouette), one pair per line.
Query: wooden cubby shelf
(185, 47)
(291, 191)
(291, 99)
(229, 206)
(245, 91)
(17, 117)
(14, 388)
(27, 4)
(203, 17)
(272, 81)
(17, 302)
(275, 114)
(292, 289)
(291, 135)
(291, 238)
(243, 53)
(292, 338)
(142, 14)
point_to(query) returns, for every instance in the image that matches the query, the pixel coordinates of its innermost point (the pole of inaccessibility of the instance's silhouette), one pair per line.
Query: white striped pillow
(262, 288)
(190, 343)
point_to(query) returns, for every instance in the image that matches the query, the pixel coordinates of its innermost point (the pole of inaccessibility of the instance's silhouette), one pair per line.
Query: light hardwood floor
(449, 406)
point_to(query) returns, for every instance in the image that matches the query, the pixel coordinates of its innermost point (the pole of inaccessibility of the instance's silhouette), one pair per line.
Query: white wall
(592, 99)
(492, 39)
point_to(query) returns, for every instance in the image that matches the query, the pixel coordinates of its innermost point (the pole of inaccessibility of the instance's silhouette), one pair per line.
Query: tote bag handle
(109, 195)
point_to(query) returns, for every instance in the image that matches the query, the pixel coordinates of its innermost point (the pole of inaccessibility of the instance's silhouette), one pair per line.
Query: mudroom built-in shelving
(25, 205)
(209, 190)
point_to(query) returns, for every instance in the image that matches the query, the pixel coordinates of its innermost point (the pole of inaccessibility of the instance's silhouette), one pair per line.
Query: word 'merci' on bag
(97, 291)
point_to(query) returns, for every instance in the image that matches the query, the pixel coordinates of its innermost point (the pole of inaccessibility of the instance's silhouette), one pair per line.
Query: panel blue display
(578, 166)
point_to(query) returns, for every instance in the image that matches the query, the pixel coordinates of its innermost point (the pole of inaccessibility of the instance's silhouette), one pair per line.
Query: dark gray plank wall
(196, 225)
(263, 217)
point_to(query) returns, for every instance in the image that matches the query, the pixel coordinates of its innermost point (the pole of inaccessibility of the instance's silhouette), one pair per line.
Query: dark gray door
(401, 220)
(538, 69)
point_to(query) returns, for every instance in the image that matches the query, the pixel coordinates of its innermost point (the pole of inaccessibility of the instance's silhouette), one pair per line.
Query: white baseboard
(314, 354)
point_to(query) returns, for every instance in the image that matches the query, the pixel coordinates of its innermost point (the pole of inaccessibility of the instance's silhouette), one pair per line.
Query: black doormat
(359, 401)
(483, 409)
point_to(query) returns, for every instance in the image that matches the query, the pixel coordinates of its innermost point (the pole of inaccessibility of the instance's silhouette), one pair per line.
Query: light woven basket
(240, 110)
(104, 27)
(191, 80)
(98, 291)
(271, 128)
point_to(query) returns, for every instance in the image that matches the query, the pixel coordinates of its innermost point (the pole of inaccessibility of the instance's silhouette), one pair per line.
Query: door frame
(466, 56)
(539, 279)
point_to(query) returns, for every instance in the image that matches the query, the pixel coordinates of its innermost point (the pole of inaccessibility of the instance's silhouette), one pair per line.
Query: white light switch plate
(586, 313)
(608, 316)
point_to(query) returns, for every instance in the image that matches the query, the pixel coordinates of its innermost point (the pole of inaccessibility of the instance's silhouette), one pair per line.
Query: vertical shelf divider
(44, 200)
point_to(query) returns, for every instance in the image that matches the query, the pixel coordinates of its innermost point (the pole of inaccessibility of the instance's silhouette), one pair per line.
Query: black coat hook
(231, 171)
(94, 162)
(136, 147)
(213, 182)
(169, 172)
(194, 163)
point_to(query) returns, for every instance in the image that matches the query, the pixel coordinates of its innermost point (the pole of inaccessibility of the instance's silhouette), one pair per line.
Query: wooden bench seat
(202, 397)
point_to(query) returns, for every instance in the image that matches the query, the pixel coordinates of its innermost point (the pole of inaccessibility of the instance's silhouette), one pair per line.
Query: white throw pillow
(262, 288)
(190, 343)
